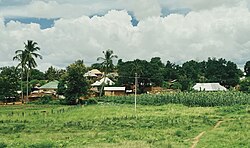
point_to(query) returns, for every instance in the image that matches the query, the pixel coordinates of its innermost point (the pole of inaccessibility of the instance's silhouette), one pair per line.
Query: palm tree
(26, 58)
(20, 57)
(107, 64)
(30, 53)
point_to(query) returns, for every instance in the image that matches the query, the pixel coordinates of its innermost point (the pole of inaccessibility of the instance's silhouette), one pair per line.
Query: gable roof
(107, 82)
(209, 87)
(93, 73)
(50, 85)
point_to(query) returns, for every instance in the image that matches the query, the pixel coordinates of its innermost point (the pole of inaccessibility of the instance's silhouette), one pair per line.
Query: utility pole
(136, 81)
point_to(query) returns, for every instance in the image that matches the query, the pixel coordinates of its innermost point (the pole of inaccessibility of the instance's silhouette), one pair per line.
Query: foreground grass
(110, 125)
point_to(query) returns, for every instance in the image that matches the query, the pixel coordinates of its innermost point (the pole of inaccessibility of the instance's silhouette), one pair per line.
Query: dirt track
(197, 138)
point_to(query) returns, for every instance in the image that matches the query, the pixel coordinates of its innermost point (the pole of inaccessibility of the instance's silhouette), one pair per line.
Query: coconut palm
(30, 53)
(20, 57)
(27, 59)
(107, 64)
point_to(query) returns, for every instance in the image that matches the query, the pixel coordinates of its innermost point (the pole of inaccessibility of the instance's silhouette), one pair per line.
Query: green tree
(61, 87)
(146, 71)
(77, 85)
(51, 74)
(222, 71)
(247, 68)
(107, 64)
(192, 70)
(27, 59)
(36, 74)
(170, 71)
(156, 71)
(20, 56)
(245, 85)
(8, 83)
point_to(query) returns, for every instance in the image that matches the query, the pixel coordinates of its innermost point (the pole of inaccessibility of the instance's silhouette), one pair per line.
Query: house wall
(114, 93)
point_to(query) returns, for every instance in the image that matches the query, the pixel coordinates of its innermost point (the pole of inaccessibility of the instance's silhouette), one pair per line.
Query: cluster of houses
(96, 78)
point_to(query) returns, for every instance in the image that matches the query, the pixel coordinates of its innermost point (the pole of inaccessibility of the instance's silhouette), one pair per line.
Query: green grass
(114, 125)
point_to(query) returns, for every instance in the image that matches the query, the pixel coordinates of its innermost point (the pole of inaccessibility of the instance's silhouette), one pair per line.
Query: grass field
(110, 125)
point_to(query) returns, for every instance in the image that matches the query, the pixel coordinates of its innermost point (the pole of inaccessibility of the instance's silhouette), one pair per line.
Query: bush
(245, 85)
(45, 99)
(89, 101)
(46, 144)
(3, 145)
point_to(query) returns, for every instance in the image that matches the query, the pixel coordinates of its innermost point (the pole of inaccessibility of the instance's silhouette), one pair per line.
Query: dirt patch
(217, 124)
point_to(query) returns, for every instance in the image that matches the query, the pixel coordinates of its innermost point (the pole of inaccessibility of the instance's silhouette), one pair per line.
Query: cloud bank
(221, 31)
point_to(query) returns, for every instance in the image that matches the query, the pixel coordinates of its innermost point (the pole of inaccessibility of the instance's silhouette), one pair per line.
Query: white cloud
(219, 32)
(142, 8)
(58, 8)
(197, 5)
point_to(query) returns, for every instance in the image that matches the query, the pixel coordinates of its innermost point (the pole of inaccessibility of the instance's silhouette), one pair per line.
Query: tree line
(150, 73)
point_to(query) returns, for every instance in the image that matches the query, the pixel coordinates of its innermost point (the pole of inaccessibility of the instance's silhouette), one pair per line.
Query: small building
(50, 88)
(114, 91)
(209, 87)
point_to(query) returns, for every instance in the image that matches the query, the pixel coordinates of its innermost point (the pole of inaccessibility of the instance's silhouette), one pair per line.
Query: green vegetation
(204, 99)
(26, 57)
(8, 84)
(77, 85)
(107, 64)
(110, 125)
(183, 77)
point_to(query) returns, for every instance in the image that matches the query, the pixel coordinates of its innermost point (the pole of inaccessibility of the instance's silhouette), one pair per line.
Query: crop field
(111, 125)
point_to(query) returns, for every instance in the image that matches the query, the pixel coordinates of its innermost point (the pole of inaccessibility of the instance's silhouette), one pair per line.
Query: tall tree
(156, 71)
(27, 59)
(30, 54)
(77, 85)
(20, 56)
(8, 83)
(107, 64)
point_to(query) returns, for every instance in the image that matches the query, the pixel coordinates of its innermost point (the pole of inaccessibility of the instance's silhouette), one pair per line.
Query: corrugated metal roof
(93, 73)
(209, 87)
(107, 82)
(115, 88)
(50, 85)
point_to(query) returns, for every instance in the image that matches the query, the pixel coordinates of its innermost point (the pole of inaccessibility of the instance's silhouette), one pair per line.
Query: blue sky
(177, 30)
(43, 22)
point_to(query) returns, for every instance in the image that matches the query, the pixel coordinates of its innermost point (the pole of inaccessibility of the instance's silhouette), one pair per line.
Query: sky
(175, 30)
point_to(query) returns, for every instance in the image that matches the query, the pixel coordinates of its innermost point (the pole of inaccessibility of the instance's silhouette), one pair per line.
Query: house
(93, 73)
(47, 89)
(209, 87)
(50, 88)
(105, 80)
(114, 91)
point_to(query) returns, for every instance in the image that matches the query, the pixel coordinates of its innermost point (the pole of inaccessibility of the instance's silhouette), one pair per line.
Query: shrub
(45, 144)
(3, 145)
(45, 99)
(90, 101)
